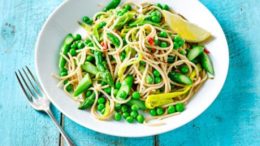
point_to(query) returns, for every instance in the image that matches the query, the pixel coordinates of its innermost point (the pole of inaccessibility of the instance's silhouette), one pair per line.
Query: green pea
(103, 83)
(73, 46)
(130, 119)
(73, 52)
(77, 37)
(90, 22)
(159, 111)
(156, 19)
(153, 112)
(101, 100)
(136, 95)
(165, 7)
(85, 19)
(102, 24)
(90, 58)
(140, 118)
(159, 5)
(125, 114)
(134, 114)
(128, 7)
(117, 106)
(149, 79)
(180, 107)
(88, 93)
(184, 69)
(124, 108)
(123, 95)
(64, 73)
(134, 107)
(163, 34)
(183, 52)
(171, 109)
(163, 44)
(170, 59)
(117, 116)
(81, 45)
(100, 107)
(156, 13)
(156, 73)
(118, 85)
(69, 88)
(178, 42)
(108, 90)
(158, 80)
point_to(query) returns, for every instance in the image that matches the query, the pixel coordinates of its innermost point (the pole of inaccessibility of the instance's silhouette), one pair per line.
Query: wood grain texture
(234, 117)
(20, 22)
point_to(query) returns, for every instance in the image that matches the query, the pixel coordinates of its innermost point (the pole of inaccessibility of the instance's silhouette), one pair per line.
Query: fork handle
(66, 138)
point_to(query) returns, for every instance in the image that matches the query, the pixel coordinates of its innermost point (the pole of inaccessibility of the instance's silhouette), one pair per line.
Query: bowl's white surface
(64, 20)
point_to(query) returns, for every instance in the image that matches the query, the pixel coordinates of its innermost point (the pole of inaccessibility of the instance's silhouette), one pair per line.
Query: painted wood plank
(83, 136)
(20, 23)
(234, 117)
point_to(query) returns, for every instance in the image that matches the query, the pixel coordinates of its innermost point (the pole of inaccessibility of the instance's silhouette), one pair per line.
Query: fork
(37, 99)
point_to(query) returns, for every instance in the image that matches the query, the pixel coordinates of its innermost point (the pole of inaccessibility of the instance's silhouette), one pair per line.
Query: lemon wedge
(188, 31)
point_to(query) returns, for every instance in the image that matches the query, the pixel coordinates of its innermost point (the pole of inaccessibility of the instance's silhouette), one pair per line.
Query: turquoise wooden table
(233, 119)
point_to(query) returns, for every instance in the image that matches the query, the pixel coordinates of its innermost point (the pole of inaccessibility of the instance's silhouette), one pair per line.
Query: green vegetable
(134, 114)
(81, 45)
(88, 102)
(156, 73)
(178, 42)
(153, 112)
(180, 107)
(170, 59)
(134, 107)
(123, 20)
(117, 106)
(112, 5)
(113, 39)
(140, 118)
(123, 55)
(87, 20)
(159, 111)
(122, 95)
(130, 119)
(73, 52)
(88, 93)
(206, 63)
(73, 46)
(64, 73)
(163, 44)
(117, 116)
(90, 58)
(108, 90)
(170, 109)
(165, 7)
(77, 37)
(128, 7)
(83, 85)
(90, 68)
(100, 107)
(156, 42)
(157, 80)
(97, 27)
(159, 5)
(125, 114)
(163, 34)
(136, 95)
(64, 50)
(195, 52)
(139, 103)
(156, 19)
(149, 79)
(126, 86)
(104, 72)
(101, 100)
(184, 69)
(180, 78)
(118, 85)
(124, 108)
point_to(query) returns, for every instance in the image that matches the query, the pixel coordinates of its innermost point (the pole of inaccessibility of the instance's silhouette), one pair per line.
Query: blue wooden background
(233, 119)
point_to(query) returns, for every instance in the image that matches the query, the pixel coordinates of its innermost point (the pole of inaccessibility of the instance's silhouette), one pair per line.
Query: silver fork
(37, 98)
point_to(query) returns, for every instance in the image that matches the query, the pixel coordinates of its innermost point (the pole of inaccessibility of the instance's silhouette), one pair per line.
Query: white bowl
(64, 20)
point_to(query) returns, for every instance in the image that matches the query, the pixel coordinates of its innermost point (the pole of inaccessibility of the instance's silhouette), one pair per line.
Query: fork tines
(28, 83)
